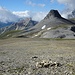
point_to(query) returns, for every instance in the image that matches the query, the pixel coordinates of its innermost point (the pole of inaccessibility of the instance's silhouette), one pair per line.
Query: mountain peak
(53, 13)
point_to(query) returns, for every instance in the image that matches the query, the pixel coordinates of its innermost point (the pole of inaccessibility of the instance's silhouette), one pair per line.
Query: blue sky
(31, 5)
(37, 9)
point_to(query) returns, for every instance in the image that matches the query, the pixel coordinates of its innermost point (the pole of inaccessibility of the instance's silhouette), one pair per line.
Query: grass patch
(60, 26)
(72, 19)
(3, 53)
(1, 74)
(9, 34)
(56, 39)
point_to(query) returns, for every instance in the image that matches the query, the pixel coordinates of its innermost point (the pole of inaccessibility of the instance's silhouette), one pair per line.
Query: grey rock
(59, 32)
(21, 25)
(73, 28)
(53, 26)
(47, 64)
(61, 36)
(52, 19)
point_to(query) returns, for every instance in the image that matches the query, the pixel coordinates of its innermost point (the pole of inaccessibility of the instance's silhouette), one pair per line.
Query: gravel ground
(23, 56)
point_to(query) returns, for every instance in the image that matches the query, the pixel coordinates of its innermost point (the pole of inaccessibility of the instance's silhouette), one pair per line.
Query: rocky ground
(21, 56)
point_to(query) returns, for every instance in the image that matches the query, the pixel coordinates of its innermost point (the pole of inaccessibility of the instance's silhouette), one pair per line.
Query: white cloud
(39, 16)
(69, 7)
(69, 3)
(34, 4)
(31, 3)
(7, 16)
(22, 13)
(34, 15)
(51, 1)
(66, 12)
(41, 5)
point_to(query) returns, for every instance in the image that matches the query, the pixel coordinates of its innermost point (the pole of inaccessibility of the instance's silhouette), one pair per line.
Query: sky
(37, 9)
(31, 5)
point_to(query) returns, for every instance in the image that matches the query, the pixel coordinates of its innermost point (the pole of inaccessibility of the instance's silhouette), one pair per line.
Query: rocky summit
(54, 26)
(53, 13)
(52, 19)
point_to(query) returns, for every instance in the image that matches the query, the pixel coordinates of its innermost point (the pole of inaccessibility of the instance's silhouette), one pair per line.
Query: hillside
(17, 27)
(52, 26)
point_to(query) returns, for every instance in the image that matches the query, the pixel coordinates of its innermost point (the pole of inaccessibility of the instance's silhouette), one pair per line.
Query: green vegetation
(59, 39)
(72, 19)
(60, 26)
(1, 74)
(9, 34)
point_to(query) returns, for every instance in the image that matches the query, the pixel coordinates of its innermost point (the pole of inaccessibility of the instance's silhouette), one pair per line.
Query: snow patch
(43, 27)
(49, 28)
(36, 35)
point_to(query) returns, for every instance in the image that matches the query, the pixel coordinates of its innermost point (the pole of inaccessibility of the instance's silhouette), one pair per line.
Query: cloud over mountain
(22, 13)
(34, 15)
(7, 16)
(38, 16)
(69, 3)
(69, 7)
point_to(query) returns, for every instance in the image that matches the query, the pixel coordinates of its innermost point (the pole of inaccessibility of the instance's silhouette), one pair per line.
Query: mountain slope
(18, 26)
(53, 26)
(52, 19)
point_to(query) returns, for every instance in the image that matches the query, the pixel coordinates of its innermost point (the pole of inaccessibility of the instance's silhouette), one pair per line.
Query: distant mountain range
(72, 14)
(52, 26)
(2, 24)
(21, 25)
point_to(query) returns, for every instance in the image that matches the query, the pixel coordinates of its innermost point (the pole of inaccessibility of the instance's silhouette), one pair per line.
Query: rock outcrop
(54, 26)
(53, 13)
